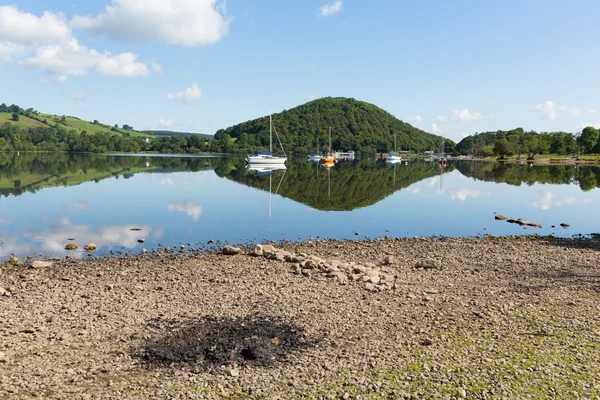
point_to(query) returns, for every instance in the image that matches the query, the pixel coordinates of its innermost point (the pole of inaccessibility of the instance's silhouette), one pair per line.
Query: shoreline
(478, 317)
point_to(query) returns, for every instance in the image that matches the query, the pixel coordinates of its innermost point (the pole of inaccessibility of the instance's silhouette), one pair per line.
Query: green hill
(173, 133)
(356, 125)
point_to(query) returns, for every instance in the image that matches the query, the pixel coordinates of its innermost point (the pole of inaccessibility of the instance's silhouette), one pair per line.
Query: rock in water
(500, 217)
(565, 225)
(71, 246)
(90, 246)
(41, 264)
(14, 260)
(231, 251)
(389, 260)
(429, 264)
(141, 240)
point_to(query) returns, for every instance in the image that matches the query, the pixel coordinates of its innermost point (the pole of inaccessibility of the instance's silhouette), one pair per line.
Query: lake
(50, 200)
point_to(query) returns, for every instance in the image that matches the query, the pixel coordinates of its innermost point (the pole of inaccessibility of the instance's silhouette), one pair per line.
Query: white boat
(262, 168)
(394, 157)
(267, 157)
(316, 156)
(346, 155)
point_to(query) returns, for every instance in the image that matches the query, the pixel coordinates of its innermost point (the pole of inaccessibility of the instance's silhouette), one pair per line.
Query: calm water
(47, 199)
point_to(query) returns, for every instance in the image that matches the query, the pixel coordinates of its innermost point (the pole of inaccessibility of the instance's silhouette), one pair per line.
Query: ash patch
(208, 343)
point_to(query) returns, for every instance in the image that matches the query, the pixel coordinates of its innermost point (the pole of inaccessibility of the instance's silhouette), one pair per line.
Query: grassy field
(71, 123)
(552, 158)
(24, 121)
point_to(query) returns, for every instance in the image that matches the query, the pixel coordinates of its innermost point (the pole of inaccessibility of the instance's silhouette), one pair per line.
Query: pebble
(41, 264)
(71, 246)
(230, 250)
(90, 246)
(429, 264)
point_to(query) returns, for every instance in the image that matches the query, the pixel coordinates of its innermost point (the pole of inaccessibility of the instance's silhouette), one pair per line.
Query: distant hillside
(30, 118)
(356, 125)
(173, 133)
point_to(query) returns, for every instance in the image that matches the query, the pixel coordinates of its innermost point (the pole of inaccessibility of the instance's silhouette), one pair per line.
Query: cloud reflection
(191, 209)
(82, 205)
(549, 200)
(464, 193)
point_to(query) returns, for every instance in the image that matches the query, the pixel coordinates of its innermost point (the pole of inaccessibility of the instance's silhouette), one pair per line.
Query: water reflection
(46, 199)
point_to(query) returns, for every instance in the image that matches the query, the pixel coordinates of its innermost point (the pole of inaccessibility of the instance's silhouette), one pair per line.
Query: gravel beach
(511, 317)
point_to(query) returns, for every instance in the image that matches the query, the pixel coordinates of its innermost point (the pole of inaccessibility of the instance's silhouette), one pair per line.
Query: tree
(588, 139)
(15, 116)
(95, 122)
(502, 148)
(128, 127)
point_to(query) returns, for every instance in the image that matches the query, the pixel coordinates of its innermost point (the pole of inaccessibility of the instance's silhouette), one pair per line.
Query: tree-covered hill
(356, 125)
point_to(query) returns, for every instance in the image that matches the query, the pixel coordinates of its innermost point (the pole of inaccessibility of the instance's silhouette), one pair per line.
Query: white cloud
(157, 68)
(467, 116)
(592, 110)
(330, 9)
(550, 110)
(572, 111)
(167, 122)
(20, 30)
(463, 194)
(435, 129)
(592, 124)
(191, 209)
(179, 22)
(80, 95)
(56, 50)
(124, 65)
(167, 181)
(188, 95)
(313, 97)
(416, 118)
(441, 118)
(414, 190)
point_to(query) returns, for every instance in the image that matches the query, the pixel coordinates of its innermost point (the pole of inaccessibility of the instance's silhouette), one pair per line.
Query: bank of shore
(445, 318)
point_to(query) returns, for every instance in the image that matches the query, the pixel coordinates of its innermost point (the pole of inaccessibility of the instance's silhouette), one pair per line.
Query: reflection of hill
(586, 176)
(346, 187)
(30, 172)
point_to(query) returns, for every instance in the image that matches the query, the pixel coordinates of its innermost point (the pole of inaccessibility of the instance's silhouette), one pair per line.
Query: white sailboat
(394, 157)
(264, 157)
(316, 156)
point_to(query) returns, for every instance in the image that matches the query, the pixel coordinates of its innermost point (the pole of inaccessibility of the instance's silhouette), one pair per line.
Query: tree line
(530, 143)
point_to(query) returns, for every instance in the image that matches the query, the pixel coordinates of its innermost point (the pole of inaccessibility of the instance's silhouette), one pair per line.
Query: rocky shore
(514, 317)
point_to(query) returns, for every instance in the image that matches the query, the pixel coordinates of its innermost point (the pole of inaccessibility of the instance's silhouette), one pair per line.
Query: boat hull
(269, 160)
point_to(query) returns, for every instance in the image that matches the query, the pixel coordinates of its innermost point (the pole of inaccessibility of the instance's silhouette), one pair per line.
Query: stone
(14, 260)
(534, 224)
(181, 247)
(308, 264)
(512, 221)
(356, 233)
(359, 269)
(462, 393)
(564, 225)
(388, 278)
(389, 260)
(210, 241)
(426, 342)
(429, 264)
(3, 358)
(234, 372)
(258, 251)
(41, 264)
(374, 280)
(141, 240)
(369, 286)
(90, 246)
(499, 217)
(267, 248)
(230, 250)
(71, 246)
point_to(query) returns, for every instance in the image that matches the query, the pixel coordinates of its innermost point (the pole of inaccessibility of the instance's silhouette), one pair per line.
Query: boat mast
(270, 133)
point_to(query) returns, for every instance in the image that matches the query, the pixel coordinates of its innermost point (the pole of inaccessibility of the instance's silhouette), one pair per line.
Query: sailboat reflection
(268, 170)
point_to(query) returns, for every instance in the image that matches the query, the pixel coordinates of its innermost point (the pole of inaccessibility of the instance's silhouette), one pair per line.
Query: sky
(447, 67)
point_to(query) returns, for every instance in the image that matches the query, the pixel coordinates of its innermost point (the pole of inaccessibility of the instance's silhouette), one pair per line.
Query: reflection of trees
(30, 172)
(587, 176)
(346, 187)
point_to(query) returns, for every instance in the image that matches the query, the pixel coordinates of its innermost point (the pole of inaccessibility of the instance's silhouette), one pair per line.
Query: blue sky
(455, 67)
